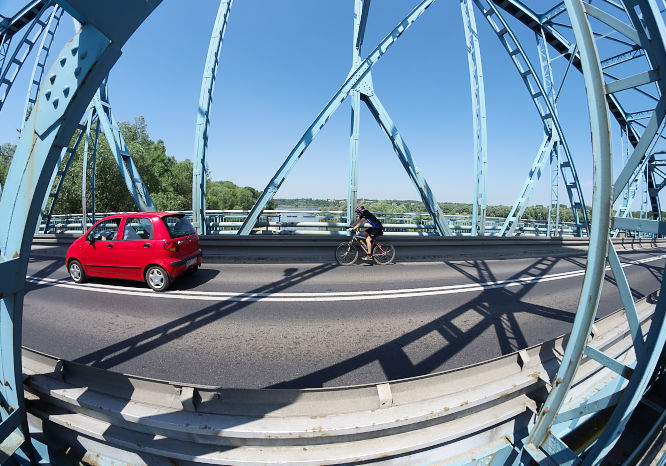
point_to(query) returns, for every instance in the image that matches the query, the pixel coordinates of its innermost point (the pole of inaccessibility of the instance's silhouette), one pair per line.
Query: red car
(153, 246)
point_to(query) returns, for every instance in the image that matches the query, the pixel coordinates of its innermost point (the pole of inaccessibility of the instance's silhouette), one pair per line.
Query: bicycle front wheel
(383, 253)
(346, 253)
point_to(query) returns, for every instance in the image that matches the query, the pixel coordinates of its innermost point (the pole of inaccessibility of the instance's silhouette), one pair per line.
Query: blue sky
(281, 62)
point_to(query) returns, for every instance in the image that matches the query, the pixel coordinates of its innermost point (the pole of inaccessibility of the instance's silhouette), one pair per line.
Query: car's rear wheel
(157, 278)
(76, 271)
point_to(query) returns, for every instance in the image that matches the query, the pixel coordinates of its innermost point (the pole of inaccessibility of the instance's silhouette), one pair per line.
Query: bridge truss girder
(356, 79)
(34, 16)
(544, 443)
(548, 114)
(90, 56)
(548, 23)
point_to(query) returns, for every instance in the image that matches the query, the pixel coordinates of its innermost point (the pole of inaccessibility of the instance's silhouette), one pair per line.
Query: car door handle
(110, 246)
(146, 245)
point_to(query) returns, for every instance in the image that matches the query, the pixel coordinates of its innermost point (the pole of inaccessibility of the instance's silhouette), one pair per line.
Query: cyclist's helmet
(360, 209)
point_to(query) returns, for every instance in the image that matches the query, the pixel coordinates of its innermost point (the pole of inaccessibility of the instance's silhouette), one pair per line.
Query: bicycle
(346, 253)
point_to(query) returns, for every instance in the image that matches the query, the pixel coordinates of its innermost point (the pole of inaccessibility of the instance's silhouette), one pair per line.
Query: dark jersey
(374, 221)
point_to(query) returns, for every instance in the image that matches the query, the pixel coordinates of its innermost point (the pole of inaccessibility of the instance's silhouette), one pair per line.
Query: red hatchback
(155, 247)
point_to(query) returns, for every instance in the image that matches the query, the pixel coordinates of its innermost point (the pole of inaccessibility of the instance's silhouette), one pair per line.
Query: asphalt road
(314, 325)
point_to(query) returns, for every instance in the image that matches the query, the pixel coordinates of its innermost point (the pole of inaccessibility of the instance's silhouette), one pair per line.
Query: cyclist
(375, 230)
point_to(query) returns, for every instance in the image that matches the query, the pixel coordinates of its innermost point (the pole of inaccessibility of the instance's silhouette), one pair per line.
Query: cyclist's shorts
(374, 232)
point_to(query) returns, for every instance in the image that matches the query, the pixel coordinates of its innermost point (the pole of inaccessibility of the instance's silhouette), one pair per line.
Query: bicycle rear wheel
(383, 253)
(346, 253)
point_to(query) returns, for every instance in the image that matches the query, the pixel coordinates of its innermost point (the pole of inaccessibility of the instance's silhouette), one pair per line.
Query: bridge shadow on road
(506, 323)
(503, 320)
(394, 358)
(125, 350)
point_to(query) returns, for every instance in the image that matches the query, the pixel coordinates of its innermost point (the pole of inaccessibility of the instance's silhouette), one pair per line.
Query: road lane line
(319, 296)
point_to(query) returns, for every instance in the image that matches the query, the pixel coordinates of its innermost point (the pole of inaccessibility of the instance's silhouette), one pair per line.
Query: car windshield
(178, 226)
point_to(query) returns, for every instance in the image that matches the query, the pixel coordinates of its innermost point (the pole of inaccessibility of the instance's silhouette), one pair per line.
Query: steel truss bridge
(600, 369)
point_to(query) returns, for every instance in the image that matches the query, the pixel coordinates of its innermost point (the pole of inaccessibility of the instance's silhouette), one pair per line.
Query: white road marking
(317, 296)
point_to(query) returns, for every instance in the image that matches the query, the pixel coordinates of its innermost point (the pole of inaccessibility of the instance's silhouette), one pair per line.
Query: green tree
(6, 155)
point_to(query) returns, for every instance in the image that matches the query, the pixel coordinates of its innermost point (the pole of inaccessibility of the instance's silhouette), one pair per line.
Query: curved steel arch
(81, 68)
(543, 441)
(51, 126)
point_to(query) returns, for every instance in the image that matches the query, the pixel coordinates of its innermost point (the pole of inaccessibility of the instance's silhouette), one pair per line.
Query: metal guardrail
(316, 248)
(227, 222)
(471, 413)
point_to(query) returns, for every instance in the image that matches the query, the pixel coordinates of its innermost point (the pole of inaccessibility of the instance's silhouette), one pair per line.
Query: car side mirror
(90, 238)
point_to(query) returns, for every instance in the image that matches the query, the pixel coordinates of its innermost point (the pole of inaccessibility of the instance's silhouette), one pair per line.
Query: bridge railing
(478, 411)
(227, 222)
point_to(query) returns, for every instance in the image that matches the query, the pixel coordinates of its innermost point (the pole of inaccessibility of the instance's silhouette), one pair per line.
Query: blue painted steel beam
(361, 9)
(554, 159)
(58, 178)
(598, 248)
(82, 65)
(23, 17)
(89, 167)
(543, 105)
(518, 208)
(350, 83)
(10, 71)
(40, 62)
(133, 181)
(560, 43)
(478, 118)
(405, 156)
(200, 167)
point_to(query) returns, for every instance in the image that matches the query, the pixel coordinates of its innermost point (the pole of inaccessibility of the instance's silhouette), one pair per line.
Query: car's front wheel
(157, 278)
(76, 271)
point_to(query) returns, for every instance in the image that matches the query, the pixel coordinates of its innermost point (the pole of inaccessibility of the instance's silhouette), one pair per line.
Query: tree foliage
(224, 195)
(170, 185)
(168, 180)
(6, 154)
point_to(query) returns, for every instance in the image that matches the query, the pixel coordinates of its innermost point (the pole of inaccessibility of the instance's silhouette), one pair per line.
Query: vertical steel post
(360, 18)
(200, 167)
(547, 77)
(478, 118)
(89, 168)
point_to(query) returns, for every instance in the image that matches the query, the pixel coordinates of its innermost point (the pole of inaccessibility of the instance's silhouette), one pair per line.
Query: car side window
(107, 230)
(138, 228)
